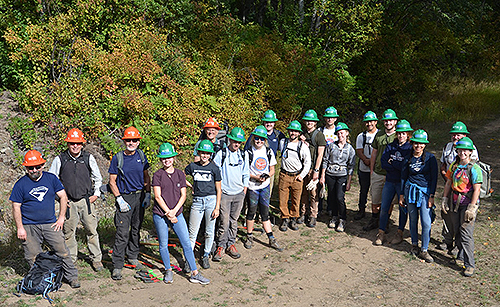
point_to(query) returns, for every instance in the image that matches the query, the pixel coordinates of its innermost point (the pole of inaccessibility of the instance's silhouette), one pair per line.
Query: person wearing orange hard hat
(33, 209)
(130, 183)
(78, 171)
(210, 131)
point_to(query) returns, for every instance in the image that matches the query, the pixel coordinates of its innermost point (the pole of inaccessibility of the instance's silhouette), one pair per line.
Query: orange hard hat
(211, 123)
(32, 158)
(131, 133)
(75, 136)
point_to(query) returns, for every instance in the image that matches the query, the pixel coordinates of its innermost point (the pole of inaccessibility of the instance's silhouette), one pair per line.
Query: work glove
(312, 185)
(124, 206)
(470, 213)
(322, 192)
(147, 200)
(445, 207)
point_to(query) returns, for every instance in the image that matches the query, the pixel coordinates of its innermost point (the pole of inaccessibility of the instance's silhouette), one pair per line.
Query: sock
(249, 234)
(270, 235)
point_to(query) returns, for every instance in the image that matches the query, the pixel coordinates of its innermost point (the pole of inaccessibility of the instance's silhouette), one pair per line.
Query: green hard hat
(295, 125)
(311, 115)
(403, 126)
(206, 146)
(369, 116)
(331, 112)
(459, 127)
(341, 126)
(237, 134)
(389, 114)
(260, 131)
(465, 143)
(166, 150)
(269, 116)
(420, 136)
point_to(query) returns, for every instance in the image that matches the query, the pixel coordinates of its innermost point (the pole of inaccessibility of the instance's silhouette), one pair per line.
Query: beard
(35, 175)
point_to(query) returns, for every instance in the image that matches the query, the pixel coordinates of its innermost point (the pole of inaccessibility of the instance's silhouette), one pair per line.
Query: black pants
(364, 187)
(336, 195)
(128, 226)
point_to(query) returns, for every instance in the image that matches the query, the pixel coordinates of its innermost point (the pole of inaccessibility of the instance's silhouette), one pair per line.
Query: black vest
(75, 175)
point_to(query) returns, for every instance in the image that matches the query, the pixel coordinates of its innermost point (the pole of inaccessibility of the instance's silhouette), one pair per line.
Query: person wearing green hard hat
(463, 178)
(295, 165)
(363, 151)
(419, 181)
(336, 172)
(169, 186)
(262, 164)
(274, 136)
(457, 132)
(315, 139)
(392, 161)
(207, 193)
(377, 173)
(233, 164)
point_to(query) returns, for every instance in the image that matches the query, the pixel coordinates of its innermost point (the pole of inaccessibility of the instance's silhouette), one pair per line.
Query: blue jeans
(162, 225)
(391, 189)
(425, 216)
(202, 206)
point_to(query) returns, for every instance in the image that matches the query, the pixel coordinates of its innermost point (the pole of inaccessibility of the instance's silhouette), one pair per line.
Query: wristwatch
(316, 170)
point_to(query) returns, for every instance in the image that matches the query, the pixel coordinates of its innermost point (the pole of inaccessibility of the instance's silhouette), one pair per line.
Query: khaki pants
(286, 185)
(78, 211)
(310, 200)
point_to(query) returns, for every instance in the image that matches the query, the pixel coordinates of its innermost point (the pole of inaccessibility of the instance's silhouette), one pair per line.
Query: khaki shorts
(376, 186)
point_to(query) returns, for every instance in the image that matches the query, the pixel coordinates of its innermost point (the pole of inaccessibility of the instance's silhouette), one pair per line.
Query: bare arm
(218, 188)
(147, 181)
(319, 160)
(63, 206)
(112, 185)
(361, 155)
(16, 213)
(373, 158)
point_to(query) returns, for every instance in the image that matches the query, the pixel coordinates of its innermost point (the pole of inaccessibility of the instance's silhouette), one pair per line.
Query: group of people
(392, 163)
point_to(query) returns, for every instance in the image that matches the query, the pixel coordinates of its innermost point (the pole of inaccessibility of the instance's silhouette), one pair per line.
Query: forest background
(166, 66)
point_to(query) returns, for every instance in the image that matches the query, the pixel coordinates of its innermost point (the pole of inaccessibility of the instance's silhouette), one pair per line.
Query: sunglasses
(72, 144)
(259, 138)
(132, 140)
(36, 167)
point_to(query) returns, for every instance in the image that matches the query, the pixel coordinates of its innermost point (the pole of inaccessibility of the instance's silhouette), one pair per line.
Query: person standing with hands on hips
(130, 183)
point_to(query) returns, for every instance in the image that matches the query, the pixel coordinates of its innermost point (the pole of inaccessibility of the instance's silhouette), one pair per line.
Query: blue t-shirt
(37, 198)
(133, 168)
(204, 178)
(421, 173)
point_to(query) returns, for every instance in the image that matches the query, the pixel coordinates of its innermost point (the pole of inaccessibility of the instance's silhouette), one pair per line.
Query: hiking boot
(312, 222)
(205, 263)
(414, 250)
(274, 244)
(372, 224)
(341, 226)
(199, 279)
(398, 238)
(233, 252)
(469, 271)
(284, 225)
(97, 265)
(74, 283)
(457, 262)
(426, 256)
(293, 224)
(333, 222)
(138, 265)
(359, 215)
(301, 220)
(168, 277)
(379, 240)
(442, 246)
(218, 254)
(117, 274)
(249, 241)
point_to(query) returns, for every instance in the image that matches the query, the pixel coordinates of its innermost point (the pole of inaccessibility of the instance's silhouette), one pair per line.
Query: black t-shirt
(204, 178)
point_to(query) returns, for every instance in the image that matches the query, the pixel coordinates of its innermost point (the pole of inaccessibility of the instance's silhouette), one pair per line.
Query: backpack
(285, 148)
(44, 277)
(269, 153)
(224, 155)
(365, 142)
(119, 159)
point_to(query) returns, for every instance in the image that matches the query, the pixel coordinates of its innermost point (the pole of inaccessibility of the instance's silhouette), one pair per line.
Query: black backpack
(44, 277)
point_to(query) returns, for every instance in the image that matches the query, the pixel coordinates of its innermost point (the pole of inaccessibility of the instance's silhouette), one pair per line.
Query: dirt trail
(319, 267)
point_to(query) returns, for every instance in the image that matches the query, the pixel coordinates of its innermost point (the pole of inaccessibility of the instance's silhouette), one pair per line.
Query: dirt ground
(319, 267)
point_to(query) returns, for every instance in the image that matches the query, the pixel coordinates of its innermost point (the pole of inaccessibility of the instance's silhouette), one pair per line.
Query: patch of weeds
(235, 283)
(224, 303)
(295, 257)
(305, 233)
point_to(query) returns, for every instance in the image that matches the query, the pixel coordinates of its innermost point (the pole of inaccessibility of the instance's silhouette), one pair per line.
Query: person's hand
(348, 186)
(147, 200)
(444, 205)
(430, 203)
(312, 185)
(470, 213)
(298, 178)
(402, 201)
(58, 225)
(21, 234)
(315, 175)
(124, 206)
(322, 180)
(215, 213)
(170, 214)
(174, 220)
(93, 198)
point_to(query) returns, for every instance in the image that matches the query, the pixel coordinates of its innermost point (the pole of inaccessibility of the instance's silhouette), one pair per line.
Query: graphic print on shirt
(39, 192)
(416, 166)
(201, 175)
(397, 156)
(461, 181)
(260, 163)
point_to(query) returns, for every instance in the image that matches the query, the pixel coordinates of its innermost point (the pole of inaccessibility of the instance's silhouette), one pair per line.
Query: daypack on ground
(44, 277)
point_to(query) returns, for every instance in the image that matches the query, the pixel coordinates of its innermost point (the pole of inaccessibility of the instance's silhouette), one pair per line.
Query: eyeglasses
(72, 144)
(132, 140)
(36, 167)
(259, 138)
